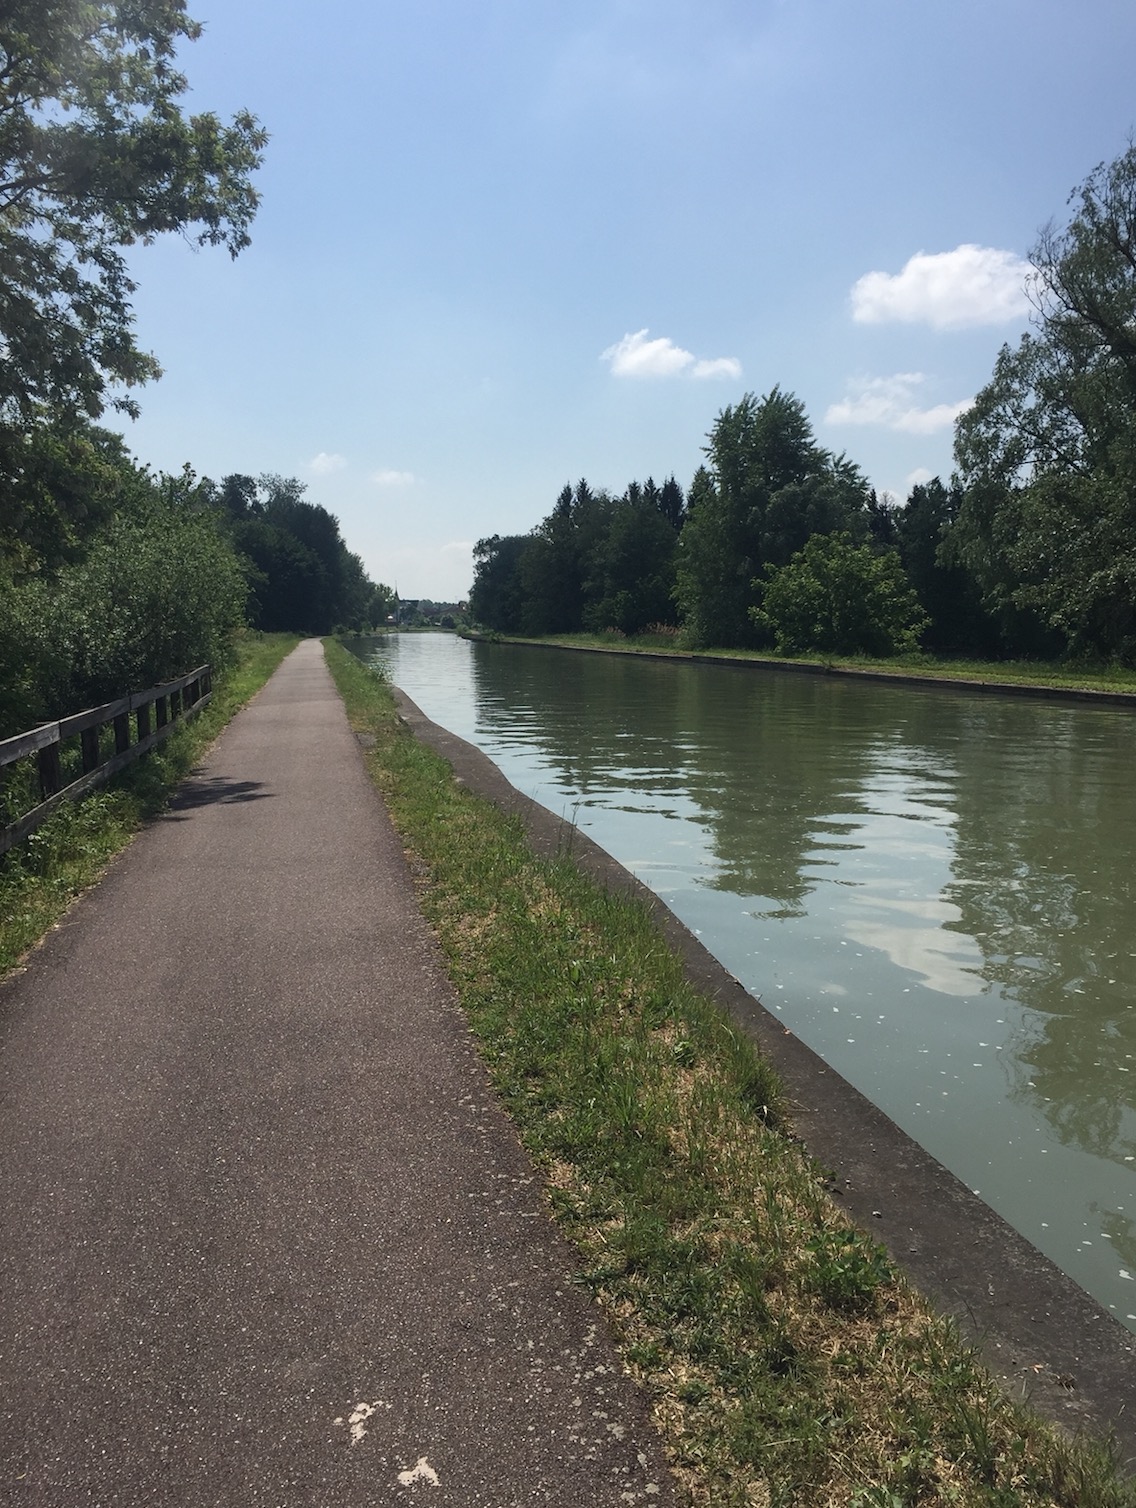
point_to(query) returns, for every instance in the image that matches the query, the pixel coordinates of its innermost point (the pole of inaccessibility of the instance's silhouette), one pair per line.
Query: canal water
(935, 890)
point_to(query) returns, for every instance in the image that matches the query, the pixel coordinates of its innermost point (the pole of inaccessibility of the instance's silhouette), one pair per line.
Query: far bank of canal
(936, 891)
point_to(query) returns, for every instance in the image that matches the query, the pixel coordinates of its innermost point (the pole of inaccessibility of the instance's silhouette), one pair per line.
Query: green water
(936, 891)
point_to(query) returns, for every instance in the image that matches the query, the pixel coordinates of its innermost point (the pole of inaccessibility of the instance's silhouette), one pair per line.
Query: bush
(155, 596)
(840, 598)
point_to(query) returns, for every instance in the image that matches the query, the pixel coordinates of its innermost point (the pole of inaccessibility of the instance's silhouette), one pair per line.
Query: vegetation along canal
(935, 890)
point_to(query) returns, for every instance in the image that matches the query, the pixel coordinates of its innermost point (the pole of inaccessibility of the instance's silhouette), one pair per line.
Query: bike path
(266, 1237)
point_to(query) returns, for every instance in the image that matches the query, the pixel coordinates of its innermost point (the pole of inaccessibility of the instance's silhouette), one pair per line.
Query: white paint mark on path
(421, 1471)
(356, 1420)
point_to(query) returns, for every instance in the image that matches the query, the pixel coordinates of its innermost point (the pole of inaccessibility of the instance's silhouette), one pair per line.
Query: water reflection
(935, 891)
(1047, 835)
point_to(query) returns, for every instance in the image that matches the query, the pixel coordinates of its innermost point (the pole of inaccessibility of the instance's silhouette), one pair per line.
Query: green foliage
(157, 591)
(769, 488)
(60, 485)
(496, 599)
(631, 569)
(840, 598)
(848, 1269)
(301, 575)
(595, 562)
(151, 600)
(1048, 452)
(948, 593)
(96, 155)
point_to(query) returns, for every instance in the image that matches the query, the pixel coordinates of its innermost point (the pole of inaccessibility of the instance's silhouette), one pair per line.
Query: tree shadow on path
(215, 791)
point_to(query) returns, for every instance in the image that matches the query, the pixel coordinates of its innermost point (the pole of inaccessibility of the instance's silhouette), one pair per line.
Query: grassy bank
(41, 877)
(1054, 673)
(785, 1361)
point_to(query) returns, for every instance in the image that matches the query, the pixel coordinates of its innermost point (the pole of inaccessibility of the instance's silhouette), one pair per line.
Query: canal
(935, 890)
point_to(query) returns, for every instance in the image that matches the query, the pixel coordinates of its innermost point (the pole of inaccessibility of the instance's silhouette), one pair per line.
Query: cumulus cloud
(636, 356)
(918, 478)
(720, 366)
(891, 402)
(949, 290)
(327, 462)
(389, 478)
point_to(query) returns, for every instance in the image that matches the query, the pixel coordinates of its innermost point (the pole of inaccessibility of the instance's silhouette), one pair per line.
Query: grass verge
(785, 1360)
(1062, 675)
(41, 877)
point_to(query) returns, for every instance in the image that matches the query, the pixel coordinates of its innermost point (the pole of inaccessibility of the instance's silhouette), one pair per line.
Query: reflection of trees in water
(1043, 876)
(752, 752)
(1121, 1233)
(781, 769)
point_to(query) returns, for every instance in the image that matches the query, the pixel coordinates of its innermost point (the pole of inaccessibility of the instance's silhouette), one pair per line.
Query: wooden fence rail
(140, 721)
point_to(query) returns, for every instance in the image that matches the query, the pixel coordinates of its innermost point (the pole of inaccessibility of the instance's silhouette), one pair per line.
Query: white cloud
(636, 356)
(390, 478)
(891, 402)
(720, 366)
(918, 478)
(327, 462)
(972, 285)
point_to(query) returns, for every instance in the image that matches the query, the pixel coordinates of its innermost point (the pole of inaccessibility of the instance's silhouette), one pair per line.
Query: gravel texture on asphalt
(267, 1237)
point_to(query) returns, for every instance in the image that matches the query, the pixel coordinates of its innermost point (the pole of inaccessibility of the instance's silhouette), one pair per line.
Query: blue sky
(504, 244)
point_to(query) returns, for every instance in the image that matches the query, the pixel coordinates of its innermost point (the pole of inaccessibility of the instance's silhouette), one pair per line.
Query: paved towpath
(265, 1236)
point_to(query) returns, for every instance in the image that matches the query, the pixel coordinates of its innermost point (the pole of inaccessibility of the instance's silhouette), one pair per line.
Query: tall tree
(672, 504)
(1048, 451)
(630, 580)
(947, 592)
(301, 574)
(96, 155)
(770, 486)
(496, 599)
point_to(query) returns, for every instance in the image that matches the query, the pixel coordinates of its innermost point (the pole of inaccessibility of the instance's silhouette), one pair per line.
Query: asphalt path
(267, 1238)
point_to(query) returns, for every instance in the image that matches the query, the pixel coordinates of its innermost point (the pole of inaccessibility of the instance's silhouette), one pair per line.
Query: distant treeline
(113, 578)
(1029, 549)
(777, 542)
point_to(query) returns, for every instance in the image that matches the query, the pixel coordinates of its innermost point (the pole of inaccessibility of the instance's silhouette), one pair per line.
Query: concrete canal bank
(971, 686)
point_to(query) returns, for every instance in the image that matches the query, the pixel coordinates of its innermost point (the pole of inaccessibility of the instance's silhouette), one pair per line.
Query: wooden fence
(140, 721)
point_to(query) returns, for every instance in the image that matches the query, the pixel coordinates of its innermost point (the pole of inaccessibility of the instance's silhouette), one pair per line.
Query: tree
(630, 579)
(947, 593)
(96, 156)
(672, 504)
(840, 598)
(301, 574)
(61, 485)
(1048, 451)
(156, 590)
(496, 599)
(770, 486)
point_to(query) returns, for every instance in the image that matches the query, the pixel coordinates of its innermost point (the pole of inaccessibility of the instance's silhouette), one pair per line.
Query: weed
(847, 1268)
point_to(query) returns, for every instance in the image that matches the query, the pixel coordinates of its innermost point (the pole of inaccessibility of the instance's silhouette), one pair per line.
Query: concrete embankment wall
(954, 684)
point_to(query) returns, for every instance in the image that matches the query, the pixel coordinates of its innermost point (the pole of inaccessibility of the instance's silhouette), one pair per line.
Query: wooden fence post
(89, 741)
(50, 770)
